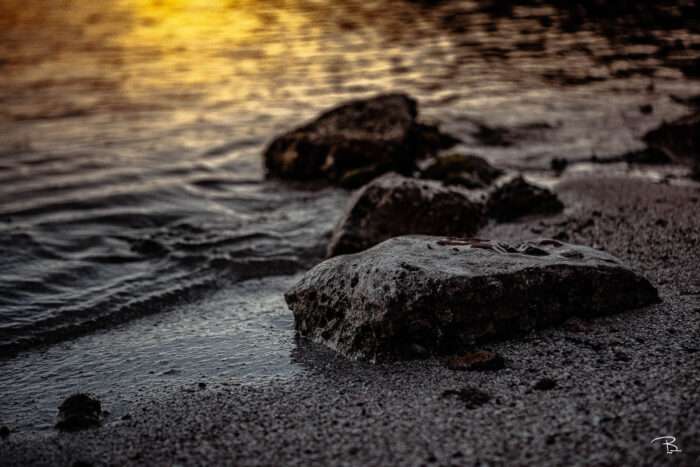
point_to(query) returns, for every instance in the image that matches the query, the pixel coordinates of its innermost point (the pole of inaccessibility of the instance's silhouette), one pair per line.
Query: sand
(621, 381)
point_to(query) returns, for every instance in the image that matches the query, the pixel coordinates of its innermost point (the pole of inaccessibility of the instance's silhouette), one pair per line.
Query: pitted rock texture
(394, 205)
(414, 296)
(356, 141)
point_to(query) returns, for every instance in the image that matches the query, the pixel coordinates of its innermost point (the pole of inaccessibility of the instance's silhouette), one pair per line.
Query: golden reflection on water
(228, 60)
(200, 43)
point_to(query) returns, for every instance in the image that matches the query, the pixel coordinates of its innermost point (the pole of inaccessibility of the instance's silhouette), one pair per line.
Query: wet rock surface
(355, 141)
(417, 295)
(518, 198)
(79, 412)
(394, 205)
(462, 169)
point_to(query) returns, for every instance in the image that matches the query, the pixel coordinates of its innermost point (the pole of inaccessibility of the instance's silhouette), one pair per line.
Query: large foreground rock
(394, 205)
(417, 295)
(356, 141)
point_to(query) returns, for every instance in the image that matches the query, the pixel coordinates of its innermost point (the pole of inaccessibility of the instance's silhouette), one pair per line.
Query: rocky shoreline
(406, 297)
(587, 391)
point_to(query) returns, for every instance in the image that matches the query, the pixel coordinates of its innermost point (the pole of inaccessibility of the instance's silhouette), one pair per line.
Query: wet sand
(621, 380)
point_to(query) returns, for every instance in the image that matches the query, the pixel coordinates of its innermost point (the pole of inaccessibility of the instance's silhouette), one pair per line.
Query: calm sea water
(131, 181)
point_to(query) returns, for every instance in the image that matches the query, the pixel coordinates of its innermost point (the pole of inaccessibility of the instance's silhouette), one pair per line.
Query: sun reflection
(191, 23)
(227, 43)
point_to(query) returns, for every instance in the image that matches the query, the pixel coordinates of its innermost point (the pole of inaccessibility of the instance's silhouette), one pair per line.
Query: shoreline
(621, 380)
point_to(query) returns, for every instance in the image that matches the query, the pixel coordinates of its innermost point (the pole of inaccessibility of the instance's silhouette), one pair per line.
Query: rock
(376, 135)
(4, 432)
(394, 205)
(493, 136)
(443, 295)
(545, 384)
(79, 412)
(646, 109)
(461, 169)
(691, 101)
(477, 361)
(518, 198)
(471, 396)
(650, 155)
(558, 165)
(679, 139)
(358, 177)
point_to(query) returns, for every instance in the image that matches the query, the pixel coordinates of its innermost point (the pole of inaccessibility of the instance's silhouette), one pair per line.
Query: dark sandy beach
(621, 381)
(146, 251)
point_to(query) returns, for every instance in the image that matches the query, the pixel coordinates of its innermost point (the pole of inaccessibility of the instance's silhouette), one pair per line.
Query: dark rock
(79, 412)
(393, 205)
(126, 417)
(445, 294)
(358, 177)
(494, 136)
(461, 169)
(4, 432)
(646, 109)
(377, 135)
(650, 155)
(679, 139)
(692, 101)
(577, 326)
(545, 384)
(470, 396)
(518, 198)
(477, 361)
(558, 165)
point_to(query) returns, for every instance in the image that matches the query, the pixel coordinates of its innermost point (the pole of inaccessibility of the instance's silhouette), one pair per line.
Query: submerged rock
(355, 142)
(441, 295)
(519, 198)
(393, 205)
(461, 169)
(79, 412)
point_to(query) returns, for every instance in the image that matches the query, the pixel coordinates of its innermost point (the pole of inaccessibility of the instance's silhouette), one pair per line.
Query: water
(131, 183)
